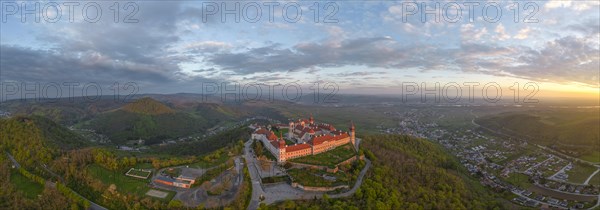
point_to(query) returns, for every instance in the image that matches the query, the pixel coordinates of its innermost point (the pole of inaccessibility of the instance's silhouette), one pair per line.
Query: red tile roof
(262, 131)
(337, 132)
(304, 120)
(326, 127)
(272, 136)
(297, 147)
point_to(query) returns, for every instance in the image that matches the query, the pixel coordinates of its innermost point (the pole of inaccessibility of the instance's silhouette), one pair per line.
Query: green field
(520, 180)
(329, 158)
(124, 183)
(30, 188)
(580, 172)
(593, 156)
(143, 166)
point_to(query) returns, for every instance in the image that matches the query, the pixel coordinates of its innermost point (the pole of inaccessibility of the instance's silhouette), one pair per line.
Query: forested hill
(147, 105)
(36, 139)
(146, 119)
(409, 173)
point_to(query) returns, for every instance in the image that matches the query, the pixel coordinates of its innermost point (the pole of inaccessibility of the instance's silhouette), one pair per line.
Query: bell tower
(291, 130)
(282, 156)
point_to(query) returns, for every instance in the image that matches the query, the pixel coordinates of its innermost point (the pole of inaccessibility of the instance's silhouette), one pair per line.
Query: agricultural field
(595, 180)
(30, 188)
(580, 172)
(329, 158)
(593, 156)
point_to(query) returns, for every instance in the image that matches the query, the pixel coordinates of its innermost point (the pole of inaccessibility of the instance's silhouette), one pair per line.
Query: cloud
(573, 5)
(501, 33)
(30, 65)
(568, 59)
(380, 51)
(587, 27)
(206, 47)
(360, 74)
(471, 34)
(171, 36)
(523, 33)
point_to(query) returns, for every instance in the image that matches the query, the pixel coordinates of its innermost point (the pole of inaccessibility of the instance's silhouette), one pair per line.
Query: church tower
(291, 130)
(311, 120)
(282, 154)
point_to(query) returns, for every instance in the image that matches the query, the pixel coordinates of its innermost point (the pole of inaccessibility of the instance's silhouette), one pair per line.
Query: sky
(367, 47)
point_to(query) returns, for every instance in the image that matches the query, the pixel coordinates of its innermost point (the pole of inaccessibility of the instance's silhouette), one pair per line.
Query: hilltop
(408, 173)
(146, 119)
(147, 105)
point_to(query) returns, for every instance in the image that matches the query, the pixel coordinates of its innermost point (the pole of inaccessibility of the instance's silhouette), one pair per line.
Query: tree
(175, 204)
(258, 148)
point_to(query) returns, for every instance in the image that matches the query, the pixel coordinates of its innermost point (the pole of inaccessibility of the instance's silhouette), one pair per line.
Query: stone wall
(319, 189)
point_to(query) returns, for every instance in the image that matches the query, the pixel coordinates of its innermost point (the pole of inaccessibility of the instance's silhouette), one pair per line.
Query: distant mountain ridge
(151, 117)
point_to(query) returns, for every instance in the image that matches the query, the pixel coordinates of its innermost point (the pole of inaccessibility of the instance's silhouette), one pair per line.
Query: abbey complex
(308, 137)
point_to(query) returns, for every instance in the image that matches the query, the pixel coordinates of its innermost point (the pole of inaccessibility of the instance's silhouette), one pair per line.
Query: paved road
(257, 189)
(357, 184)
(17, 165)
